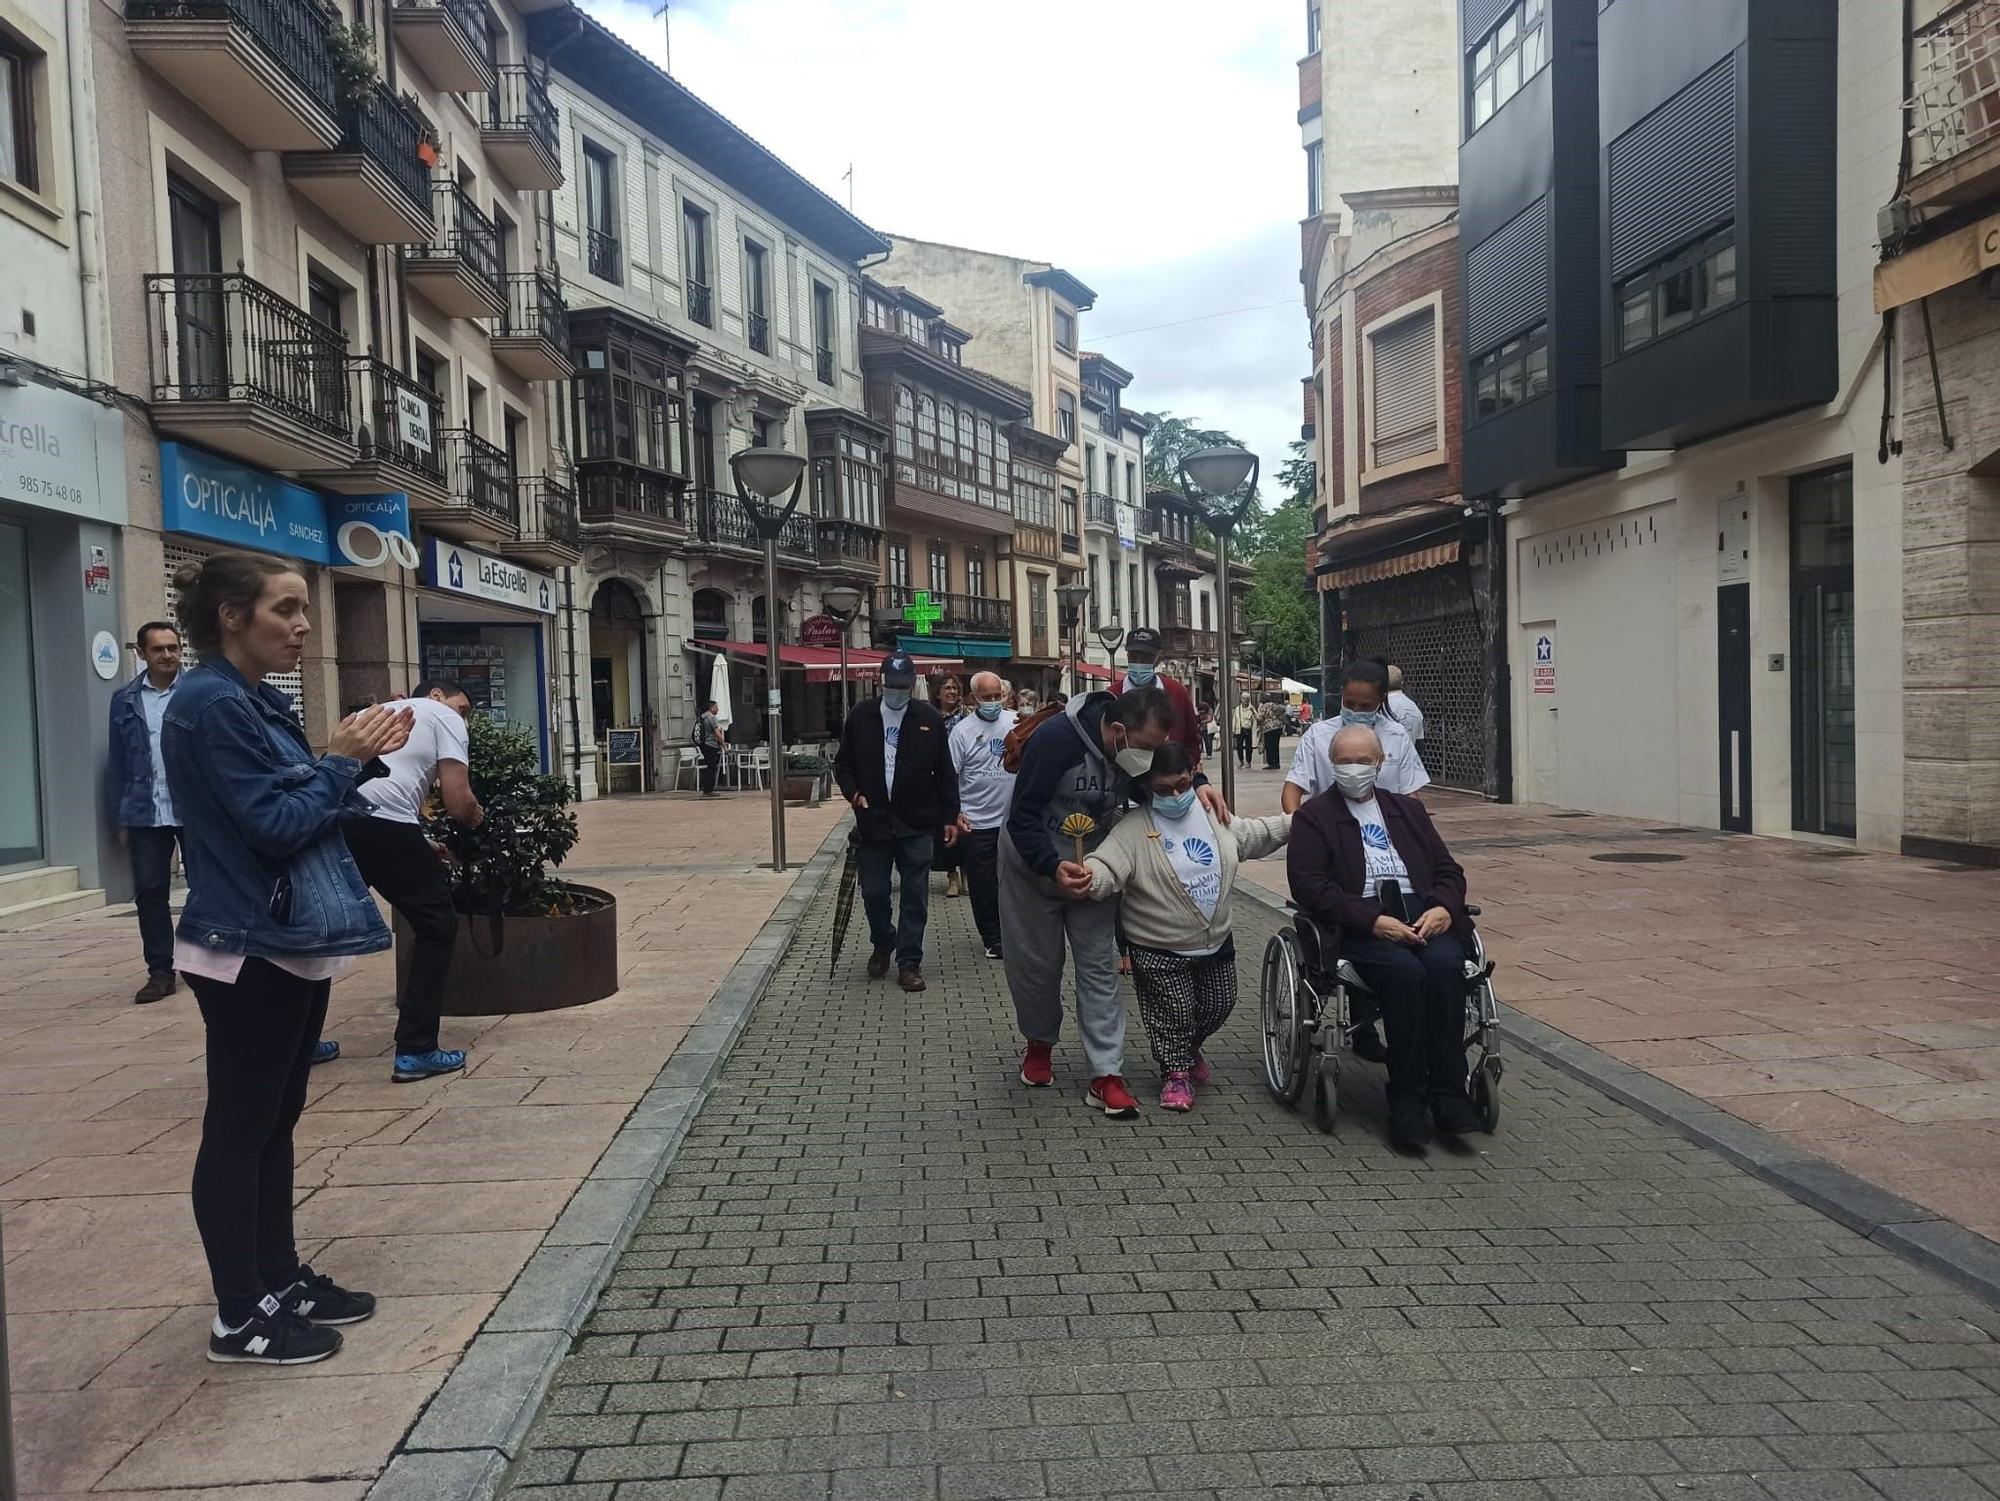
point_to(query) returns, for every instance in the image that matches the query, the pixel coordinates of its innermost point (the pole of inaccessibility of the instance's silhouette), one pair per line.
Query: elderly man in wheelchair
(1382, 916)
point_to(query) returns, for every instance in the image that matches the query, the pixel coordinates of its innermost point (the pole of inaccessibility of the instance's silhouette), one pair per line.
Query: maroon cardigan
(1327, 869)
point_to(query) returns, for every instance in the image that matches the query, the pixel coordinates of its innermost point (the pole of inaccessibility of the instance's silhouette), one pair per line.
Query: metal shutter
(1507, 280)
(1672, 177)
(1406, 402)
(285, 682)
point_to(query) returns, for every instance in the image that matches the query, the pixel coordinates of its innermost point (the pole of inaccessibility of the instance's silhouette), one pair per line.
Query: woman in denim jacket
(275, 910)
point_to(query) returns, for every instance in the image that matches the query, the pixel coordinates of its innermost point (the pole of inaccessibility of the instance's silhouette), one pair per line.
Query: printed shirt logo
(997, 747)
(1375, 836)
(893, 734)
(1198, 850)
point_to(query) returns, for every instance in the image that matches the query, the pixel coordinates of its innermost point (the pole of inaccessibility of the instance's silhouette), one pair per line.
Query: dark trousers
(946, 858)
(1243, 739)
(910, 859)
(399, 862)
(982, 881)
(261, 1034)
(152, 852)
(1271, 749)
(1422, 995)
(711, 764)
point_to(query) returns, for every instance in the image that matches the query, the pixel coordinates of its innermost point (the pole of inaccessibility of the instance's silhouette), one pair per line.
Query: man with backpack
(708, 741)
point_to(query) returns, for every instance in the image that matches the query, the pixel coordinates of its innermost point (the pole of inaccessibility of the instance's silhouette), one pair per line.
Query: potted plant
(528, 940)
(805, 778)
(352, 49)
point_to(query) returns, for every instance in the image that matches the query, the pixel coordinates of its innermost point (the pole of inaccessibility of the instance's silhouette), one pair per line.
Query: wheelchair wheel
(1486, 1094)
(1326, 1093)
(1286, 1005)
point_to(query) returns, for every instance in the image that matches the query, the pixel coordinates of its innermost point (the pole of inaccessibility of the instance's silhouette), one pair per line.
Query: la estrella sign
(464, 570)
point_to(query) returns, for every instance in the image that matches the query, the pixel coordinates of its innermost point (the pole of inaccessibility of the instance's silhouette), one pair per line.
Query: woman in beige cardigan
(1176, 868)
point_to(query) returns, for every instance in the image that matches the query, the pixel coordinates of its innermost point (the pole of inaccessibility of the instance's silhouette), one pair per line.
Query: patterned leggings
(1183, 1001)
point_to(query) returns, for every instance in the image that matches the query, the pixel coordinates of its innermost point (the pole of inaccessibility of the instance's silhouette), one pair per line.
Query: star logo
(455, 570)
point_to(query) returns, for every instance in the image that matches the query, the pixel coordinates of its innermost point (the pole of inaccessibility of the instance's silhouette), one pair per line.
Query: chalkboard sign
(625, 747)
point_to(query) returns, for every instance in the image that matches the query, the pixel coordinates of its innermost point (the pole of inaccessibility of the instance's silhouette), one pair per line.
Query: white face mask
(1355, 779)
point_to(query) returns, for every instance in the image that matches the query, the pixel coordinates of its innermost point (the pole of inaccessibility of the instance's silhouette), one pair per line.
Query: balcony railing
(464, 233)
(1071, 542)
(221, 337)
(701, 303)
(391, 403)
(480, 477)
(1955, 72)
(610, 491)
(470, 18)
(603, 254)
(823, 366)
(721, 521)
(1100, 509)
(386, 131)
(964, 614)
(760, 333)
(1036, 542)
(535, 310)
(520, 102)
(848, 545)
(548, 510)
(293, 33)
(1178, 640)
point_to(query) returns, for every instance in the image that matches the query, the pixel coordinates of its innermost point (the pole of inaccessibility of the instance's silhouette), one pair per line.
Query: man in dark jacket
(895, 768)
(148, 827)
(1369, 867)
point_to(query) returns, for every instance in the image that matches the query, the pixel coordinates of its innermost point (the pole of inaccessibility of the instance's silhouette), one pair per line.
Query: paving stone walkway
(882, 1269)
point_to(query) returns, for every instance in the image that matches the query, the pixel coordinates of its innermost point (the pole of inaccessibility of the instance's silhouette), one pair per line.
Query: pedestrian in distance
(1243, 728)
(985, 789)
(1074, 771)
(708, 743)
(1173, 869)
(399, 862)
(1402, 708)
(1027, 702)
(1207, 719)
(148, 826)
(275, 910)
(894, 768)
(950, 858)
(1271, 725)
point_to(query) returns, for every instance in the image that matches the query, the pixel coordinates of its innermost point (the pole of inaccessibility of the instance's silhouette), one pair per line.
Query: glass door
(20, 760)
(196, 225)
(1823, 760)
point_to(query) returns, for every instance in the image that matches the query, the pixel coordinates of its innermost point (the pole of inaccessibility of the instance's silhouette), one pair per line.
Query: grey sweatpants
(1035, 919)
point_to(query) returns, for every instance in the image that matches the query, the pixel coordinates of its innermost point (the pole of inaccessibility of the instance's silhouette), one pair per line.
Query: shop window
(711, 614)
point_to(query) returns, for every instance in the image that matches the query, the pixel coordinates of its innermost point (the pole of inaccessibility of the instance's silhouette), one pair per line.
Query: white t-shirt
(1378, 852)
(437, 735)
(892, 733)
(1312, 763)
(985, 785)
(1191, 848)
(1406, 713)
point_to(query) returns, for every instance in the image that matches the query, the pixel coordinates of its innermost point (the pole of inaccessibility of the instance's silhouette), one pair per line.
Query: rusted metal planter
(523, 964)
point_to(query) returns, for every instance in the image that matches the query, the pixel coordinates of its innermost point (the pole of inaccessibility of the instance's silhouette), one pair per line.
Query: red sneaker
(1109, 1094)
(1038, 1069)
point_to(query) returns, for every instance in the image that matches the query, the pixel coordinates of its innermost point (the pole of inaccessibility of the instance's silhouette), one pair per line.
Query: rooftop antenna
(848, 178)
(667, 34)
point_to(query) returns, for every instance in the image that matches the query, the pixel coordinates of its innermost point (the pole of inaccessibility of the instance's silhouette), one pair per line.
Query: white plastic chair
(760, 765)
(688, 764)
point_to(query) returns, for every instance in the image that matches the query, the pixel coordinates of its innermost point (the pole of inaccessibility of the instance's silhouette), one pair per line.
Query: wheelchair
(1309, 1017)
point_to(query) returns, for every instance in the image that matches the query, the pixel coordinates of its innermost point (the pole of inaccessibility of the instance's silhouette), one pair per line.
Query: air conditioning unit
(1893, 222)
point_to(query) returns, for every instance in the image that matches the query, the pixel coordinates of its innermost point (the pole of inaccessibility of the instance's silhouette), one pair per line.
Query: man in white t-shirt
(1364, 690)
(1402, 708)
(397, 860)
(985, 789)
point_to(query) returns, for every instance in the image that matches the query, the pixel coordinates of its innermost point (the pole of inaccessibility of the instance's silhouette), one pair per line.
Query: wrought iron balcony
(520, 130)
(448, 40)
(402, 433)
(760, 333)
(701, 303)
(722, 524)
(532, 335)
(482, 484)
(262, 69)
(1101, 510)
(1954, 110)
(236, 366)
(373, 183)
(964, 614)
(823, 366)
(550, 533)
(602, 253)
(458, 269)
(848, 547)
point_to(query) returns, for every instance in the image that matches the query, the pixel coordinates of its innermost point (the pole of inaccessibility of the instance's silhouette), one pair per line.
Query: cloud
(1149, 146)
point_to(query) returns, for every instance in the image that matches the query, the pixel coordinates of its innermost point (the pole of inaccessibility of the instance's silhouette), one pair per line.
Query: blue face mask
(1177, 806)
(1141, 674)
(895, 698)
(1355, 716)
(988, 712)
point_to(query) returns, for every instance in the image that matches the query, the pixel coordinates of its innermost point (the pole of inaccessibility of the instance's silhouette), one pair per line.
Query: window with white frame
(1404, 406)
(1314, 160)
(1514, 51)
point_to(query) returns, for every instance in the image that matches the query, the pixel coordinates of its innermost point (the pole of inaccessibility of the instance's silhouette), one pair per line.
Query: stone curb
(1911, 1231)
(471, 1430)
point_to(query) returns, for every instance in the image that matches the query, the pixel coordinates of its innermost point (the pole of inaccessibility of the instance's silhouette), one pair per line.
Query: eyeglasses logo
(366, 545)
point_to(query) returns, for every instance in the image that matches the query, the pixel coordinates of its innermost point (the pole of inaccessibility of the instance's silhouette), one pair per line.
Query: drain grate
(1572, 815)
(1673, 828)
(1638, 857)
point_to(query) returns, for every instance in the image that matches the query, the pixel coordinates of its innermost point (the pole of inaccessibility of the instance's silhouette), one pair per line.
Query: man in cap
(1142, 656)
(895, 768)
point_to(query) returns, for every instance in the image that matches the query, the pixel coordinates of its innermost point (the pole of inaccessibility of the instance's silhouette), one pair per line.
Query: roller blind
(1406, 397)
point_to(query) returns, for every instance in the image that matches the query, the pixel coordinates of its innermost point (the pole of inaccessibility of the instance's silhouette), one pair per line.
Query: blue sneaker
(411, 1067)
(326, 1051)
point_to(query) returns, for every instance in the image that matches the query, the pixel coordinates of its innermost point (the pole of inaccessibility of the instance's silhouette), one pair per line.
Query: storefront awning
(1092, 670)
(1389, 568)
(821, 664)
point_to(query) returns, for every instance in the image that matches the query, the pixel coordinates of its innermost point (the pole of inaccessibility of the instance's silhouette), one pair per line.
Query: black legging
(261, 1035)
(1243, 738)
(1271, 748)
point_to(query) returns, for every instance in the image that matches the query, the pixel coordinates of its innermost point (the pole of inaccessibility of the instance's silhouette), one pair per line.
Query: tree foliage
(503, 866)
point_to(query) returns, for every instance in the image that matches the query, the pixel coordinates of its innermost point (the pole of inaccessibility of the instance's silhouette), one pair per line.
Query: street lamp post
(843, 603)
(1221, 482)
(1111, 637)
(1073, 596)
(762, 475)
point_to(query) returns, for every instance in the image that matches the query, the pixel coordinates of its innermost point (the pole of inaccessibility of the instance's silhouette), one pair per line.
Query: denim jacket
(269, 874)
(132, 758)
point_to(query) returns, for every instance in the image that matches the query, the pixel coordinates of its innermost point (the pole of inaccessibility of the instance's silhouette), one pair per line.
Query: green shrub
(503, 866)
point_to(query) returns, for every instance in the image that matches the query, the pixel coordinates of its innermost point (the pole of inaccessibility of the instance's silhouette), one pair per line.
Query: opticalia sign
(453, 566)
(226, 502)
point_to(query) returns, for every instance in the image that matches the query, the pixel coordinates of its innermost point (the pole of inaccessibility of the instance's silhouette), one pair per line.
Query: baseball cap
(899, 670)
(1142, 644)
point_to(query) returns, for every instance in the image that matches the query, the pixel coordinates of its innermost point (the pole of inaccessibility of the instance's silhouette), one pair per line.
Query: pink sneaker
(1201, 1073)
(1177, 1093)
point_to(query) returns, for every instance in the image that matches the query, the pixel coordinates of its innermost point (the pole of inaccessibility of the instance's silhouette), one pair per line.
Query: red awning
(821, 664)
(1092, 670)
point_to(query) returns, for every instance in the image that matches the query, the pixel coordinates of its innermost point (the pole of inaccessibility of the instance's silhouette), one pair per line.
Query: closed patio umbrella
(718, 689)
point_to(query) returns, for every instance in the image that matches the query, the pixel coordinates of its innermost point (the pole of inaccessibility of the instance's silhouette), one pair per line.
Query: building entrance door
(1823, 754)
(1538, 652)
(20, 753)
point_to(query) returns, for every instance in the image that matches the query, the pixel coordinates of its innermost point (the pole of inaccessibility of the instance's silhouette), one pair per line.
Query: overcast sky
(1149, 146)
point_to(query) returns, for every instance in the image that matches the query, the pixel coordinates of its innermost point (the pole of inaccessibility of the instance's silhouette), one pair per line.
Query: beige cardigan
(1158, 913)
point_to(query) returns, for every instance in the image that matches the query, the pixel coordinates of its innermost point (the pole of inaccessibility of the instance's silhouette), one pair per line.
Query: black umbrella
(843, 902)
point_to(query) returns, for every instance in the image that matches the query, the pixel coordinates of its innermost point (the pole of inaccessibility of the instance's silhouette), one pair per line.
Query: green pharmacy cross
(921, 613)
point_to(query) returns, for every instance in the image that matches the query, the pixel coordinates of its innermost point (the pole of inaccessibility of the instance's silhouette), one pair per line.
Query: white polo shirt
(1312, 763)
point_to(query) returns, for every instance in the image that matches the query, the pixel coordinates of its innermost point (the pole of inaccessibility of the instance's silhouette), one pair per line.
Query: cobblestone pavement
(882, 1269)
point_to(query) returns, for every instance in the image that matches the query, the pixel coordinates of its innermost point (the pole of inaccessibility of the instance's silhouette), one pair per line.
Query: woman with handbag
(275, 910)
